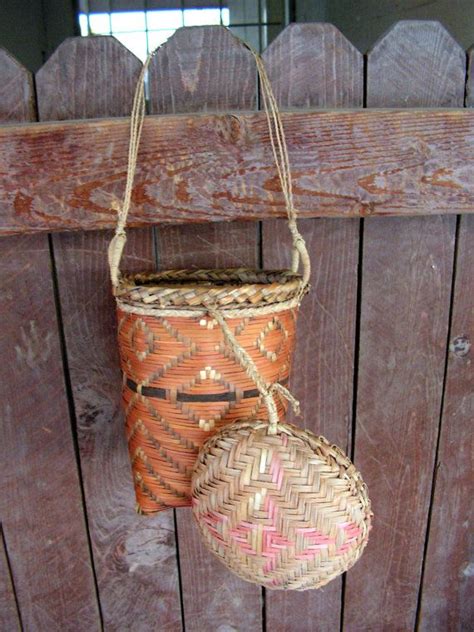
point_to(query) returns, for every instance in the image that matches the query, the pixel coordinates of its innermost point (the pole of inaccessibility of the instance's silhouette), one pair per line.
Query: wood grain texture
(134, 557)
(416, 64)
(406, 288)
(196, 246)
(194, 71)
(74, 66)
(39, 484)
(447, 591)
(314, 65)
(9, 615)
(217, 167)
(16, 91)
(200, 69)
(448, 583)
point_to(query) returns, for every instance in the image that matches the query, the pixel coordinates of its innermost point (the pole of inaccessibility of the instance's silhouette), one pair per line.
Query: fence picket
(448, 582)
(200, 69)
(49, 555)
(406, 287)
(313, 65)
(96, 77)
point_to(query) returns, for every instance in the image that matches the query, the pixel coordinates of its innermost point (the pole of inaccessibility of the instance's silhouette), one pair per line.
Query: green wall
(31, 29)
(364, 21)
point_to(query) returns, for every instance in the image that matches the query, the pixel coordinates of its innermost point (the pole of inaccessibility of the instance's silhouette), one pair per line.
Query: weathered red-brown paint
(219, 167)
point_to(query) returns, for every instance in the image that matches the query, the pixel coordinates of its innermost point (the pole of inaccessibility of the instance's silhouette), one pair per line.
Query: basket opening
(235, 277)
(229, 288)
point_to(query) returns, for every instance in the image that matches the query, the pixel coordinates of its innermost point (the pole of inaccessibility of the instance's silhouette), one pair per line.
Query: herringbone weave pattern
(231, 287)
(284, 511)
(182, 383)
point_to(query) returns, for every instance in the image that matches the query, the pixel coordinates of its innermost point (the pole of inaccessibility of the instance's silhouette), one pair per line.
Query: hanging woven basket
(284, 510)
(201, 349)
(180, 381)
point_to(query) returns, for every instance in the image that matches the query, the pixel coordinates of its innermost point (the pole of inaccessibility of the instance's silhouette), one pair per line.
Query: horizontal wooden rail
(219, 167)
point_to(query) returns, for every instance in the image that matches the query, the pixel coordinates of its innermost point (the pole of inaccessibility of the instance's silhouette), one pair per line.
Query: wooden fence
(383, 365)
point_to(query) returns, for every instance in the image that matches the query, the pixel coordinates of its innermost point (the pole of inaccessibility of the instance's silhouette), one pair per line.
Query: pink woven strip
(316, 537)
(320, 541)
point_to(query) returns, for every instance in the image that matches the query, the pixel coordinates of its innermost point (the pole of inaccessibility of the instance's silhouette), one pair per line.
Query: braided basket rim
(228, 288)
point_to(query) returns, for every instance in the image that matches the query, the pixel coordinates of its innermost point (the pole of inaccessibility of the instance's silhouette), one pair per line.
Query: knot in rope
(116, 205)
(291, 399)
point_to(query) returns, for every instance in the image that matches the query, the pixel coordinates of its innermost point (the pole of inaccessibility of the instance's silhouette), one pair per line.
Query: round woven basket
(180, 382)
(285, 510)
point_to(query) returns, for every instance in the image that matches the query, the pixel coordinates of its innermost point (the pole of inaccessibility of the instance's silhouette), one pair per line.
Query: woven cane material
(183, 376)
(287, 511)
(181, 383)
(227, 288)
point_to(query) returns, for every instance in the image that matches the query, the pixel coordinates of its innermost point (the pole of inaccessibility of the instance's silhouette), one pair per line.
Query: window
(142, 26)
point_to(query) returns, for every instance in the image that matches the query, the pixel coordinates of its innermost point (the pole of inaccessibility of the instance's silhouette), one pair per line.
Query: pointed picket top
(416, 49)
(313, 53)
(68, 83)
(16, 90)
(202, 64)
(470, 78)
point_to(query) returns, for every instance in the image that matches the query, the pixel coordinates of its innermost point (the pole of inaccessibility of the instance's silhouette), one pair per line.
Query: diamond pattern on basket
(276, 326)
(142, 339)
(181, 384)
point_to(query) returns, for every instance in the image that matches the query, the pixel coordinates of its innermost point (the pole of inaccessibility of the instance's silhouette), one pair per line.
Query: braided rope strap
(280, 154)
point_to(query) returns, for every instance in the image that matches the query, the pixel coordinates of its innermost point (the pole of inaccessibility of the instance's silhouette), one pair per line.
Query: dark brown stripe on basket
(163, 393)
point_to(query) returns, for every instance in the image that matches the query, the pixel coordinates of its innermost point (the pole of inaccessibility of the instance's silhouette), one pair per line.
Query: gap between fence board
(10, 617)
